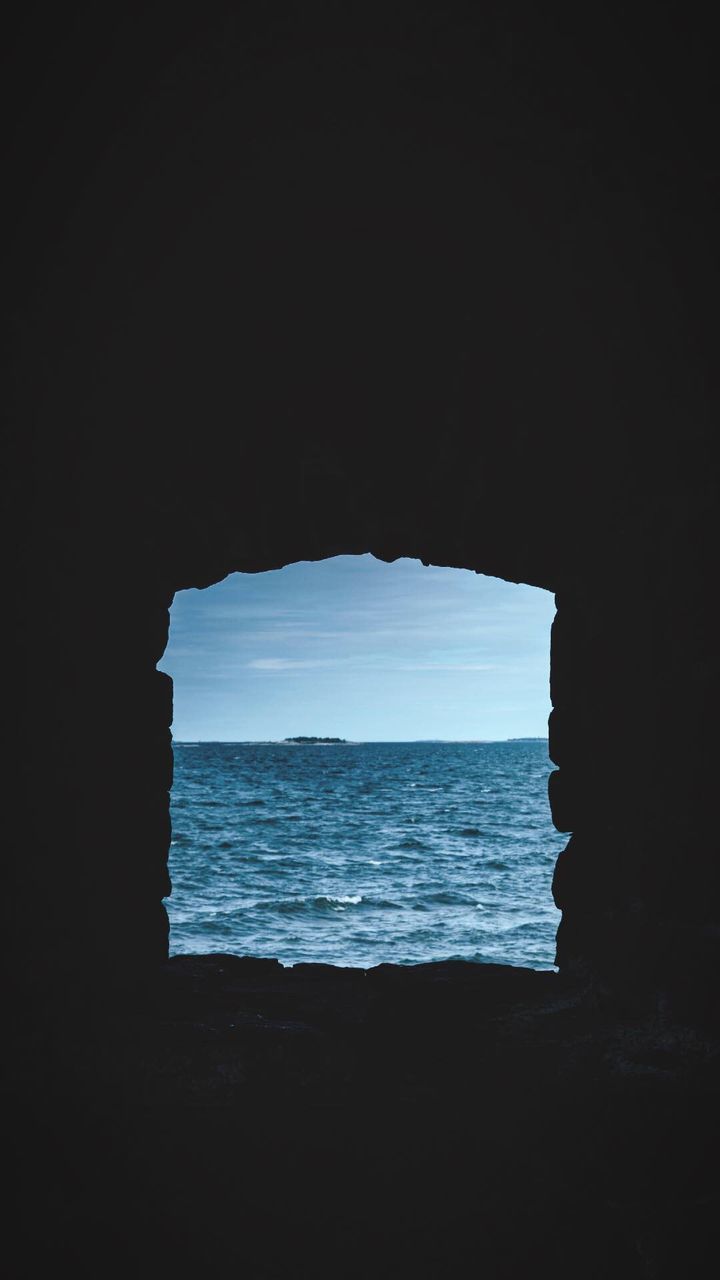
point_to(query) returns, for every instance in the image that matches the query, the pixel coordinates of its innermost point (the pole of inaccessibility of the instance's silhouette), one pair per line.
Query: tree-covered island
(314, 740)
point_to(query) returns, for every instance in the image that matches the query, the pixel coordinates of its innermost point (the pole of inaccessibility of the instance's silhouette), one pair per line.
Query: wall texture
(417, 280)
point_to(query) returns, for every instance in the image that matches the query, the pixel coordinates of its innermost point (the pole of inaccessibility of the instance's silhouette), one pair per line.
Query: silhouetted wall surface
(428, 281)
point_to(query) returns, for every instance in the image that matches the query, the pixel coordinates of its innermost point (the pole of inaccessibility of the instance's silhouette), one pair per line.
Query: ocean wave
(317, 902)
(450, 898)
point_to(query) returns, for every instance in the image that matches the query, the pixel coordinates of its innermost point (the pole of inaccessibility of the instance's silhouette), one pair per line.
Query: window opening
(361, 766)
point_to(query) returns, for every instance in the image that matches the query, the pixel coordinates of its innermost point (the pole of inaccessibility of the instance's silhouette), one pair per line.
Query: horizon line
(259, 742)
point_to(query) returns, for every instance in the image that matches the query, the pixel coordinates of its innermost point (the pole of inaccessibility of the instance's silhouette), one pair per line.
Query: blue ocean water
(364, 853)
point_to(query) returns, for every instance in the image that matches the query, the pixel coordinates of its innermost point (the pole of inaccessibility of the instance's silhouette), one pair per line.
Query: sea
(365, 853)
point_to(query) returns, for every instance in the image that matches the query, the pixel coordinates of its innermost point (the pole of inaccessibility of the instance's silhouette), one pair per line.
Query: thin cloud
(290, 664)
(361, 661)
(449, 666)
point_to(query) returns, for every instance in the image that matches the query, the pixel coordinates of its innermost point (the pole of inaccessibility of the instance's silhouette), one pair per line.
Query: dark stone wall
(289, 282)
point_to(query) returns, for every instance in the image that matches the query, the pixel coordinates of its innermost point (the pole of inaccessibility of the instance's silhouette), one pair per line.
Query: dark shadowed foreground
(444, 1119)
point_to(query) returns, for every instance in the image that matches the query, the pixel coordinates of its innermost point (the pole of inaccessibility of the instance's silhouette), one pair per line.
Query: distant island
(314, 740)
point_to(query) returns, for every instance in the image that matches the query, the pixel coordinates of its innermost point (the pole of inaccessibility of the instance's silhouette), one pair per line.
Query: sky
(354, 648)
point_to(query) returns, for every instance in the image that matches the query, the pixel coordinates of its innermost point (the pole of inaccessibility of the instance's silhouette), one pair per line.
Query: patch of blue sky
(353, 647)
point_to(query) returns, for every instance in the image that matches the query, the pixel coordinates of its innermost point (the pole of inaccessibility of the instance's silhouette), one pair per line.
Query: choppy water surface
(363, 854)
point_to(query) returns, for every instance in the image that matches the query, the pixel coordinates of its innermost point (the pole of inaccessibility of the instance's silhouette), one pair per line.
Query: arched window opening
(361, 766)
